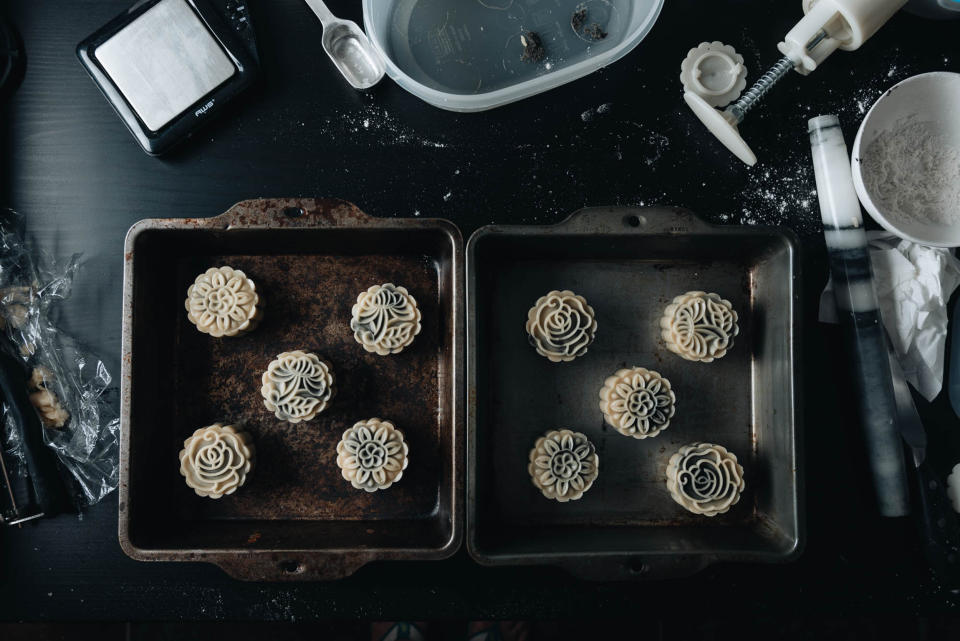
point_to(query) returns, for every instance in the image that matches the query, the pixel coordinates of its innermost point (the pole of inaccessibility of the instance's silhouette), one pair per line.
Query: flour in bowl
(912, 172)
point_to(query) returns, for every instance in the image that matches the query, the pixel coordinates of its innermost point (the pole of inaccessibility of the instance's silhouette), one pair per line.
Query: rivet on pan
(291, 567)
(637, 566)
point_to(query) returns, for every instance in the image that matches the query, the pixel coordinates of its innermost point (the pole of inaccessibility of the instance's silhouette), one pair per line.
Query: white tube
(859, 313)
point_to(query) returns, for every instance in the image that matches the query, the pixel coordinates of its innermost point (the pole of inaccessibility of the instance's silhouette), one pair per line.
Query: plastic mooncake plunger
(715, 72)
(827, 26)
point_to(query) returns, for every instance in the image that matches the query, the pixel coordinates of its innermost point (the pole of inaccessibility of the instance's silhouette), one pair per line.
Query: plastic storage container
(466, 55)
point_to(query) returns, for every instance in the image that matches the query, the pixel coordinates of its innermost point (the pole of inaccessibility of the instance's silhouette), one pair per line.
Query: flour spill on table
(389, 129)
(601, 110)
(780, 189)
(779, 194)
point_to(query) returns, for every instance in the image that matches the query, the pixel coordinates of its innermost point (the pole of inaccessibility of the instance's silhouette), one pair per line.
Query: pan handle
(276, 213)
(635, 568)
(635, 220)
(307, 566)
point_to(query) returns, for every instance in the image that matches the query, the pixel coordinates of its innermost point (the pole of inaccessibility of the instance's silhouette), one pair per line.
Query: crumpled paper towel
(914, 283)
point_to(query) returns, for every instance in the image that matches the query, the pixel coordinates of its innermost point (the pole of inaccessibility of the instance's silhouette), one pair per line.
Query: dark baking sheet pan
(629, 264)
(296, 518)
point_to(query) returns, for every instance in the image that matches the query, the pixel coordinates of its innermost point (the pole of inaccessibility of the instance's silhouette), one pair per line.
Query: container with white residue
(469, 55)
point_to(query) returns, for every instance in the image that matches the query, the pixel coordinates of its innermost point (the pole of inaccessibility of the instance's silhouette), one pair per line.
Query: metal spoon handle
(322, 12)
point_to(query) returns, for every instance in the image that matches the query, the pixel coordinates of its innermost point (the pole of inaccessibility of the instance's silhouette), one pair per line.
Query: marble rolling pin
(859, 313)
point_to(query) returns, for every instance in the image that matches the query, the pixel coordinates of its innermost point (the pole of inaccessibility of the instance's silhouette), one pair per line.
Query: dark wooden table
(71, 167)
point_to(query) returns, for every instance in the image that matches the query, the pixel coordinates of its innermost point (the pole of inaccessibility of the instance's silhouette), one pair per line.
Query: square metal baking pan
(629, 264)
(296, 518)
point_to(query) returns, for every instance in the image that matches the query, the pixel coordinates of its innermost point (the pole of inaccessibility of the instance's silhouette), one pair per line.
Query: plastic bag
(69, 387)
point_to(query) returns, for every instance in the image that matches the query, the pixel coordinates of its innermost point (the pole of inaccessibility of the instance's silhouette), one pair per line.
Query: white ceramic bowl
(931, 97)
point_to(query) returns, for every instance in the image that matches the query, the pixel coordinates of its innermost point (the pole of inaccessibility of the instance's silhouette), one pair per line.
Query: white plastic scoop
(349, 48)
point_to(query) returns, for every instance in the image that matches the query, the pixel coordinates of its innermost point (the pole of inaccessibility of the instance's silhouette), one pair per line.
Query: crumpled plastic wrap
(70, 387)
(914, 283)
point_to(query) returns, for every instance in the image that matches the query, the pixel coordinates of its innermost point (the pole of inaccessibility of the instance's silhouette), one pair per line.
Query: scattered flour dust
(602, 110)
(912, 171)
(781, 193)
(389, 129)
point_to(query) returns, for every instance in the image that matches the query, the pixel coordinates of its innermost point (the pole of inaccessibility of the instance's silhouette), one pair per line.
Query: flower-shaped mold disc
(699, 326)
(223, 302)
(385, 319)
(638, 402)
(953, 487)
(216, 460)
(561, 326)
(705, 478)
(563, 465)
(372, 455)
(715, 72)
(297, 386)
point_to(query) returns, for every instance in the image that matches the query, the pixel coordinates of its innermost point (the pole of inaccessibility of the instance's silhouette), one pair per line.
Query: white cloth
(914, 283)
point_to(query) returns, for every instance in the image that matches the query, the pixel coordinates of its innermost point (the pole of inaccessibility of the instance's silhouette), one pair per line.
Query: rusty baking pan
(629, 264)
(296, 518)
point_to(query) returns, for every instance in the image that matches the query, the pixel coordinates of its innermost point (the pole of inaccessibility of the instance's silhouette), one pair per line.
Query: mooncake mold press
(699, 326)
(563, 465)
(223, 302)
(297, 386)
(216, 460)
(561, 326)
(372, 455)
(637, 402)
(385, 319)
(705, 478)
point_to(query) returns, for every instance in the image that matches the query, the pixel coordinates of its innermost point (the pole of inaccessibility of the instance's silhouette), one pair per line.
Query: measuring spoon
(349, 48)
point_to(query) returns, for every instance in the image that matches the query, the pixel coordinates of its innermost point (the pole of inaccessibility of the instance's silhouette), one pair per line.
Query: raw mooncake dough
(216, 460)
(638, 402)
(563, 465)
(561, 326)
(385, 319)
(705, 478)
(297, 386)
(372, 455)
(699, 326)
(48, 405)
(223, 302)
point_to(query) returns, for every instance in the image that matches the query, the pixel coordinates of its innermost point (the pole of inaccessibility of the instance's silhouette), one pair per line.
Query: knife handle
(48, 490)
(941, 530)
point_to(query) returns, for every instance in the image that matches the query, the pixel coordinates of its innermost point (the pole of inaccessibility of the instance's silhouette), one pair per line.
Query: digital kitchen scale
(168, 66)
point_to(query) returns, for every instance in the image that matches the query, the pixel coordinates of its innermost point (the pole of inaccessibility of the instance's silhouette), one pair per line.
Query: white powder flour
(912, 172)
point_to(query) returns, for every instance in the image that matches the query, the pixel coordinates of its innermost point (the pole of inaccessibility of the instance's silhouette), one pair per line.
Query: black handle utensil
(48, 496)
(936, 520)
(938, 524)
